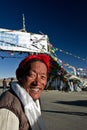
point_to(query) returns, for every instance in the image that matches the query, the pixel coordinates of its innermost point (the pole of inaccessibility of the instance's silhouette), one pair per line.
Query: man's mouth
(35, 89)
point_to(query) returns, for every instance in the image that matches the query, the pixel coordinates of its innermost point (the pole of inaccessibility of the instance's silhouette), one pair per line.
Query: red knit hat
(43, 57)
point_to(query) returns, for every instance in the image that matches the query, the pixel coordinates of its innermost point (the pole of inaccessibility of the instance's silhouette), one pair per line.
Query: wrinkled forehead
(38, 66)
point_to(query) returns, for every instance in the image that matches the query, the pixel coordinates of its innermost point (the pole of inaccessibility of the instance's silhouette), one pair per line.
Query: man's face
(36, 81)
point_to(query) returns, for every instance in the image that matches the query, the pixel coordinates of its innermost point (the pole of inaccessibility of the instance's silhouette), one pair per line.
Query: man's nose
(37, 78)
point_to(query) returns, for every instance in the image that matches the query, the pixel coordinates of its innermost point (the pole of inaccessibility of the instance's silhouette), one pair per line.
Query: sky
(64, 21)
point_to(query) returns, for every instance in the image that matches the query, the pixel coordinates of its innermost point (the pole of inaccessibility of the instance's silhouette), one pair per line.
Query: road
(64, 111)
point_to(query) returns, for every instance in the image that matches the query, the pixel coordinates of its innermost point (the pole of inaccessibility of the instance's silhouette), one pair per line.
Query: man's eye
(31, 74)
(43, 77)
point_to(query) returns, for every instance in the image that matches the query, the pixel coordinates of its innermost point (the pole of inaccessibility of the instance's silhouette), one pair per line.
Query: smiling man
(19, 106)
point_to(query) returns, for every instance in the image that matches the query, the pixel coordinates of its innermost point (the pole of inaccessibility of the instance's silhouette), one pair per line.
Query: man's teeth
(35, 89)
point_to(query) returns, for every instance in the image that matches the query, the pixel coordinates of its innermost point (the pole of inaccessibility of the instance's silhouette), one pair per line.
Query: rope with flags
(54, 49)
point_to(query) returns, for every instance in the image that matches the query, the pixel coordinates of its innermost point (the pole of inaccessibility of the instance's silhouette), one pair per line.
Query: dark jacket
(11, 102)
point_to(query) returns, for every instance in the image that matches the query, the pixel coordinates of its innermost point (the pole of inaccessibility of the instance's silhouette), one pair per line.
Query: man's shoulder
(9, 99)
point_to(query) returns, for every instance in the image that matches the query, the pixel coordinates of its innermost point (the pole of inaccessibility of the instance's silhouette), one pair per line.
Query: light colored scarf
(31, 107)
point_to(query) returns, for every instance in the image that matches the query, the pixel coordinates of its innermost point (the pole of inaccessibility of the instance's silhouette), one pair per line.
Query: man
(19, 106)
